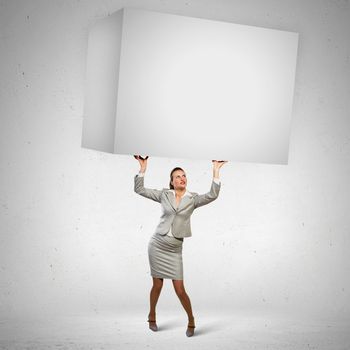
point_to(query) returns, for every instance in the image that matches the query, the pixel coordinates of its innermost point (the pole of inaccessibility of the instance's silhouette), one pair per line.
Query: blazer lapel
(172, 200)
(184, 200)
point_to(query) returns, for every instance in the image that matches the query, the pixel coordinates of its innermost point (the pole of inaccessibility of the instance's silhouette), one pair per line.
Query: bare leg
(184, 298)
(154, 295)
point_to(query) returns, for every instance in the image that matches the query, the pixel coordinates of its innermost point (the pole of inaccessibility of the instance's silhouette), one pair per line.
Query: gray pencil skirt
(165, 257)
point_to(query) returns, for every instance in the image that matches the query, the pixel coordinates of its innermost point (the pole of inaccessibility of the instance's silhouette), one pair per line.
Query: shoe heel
(154, 326)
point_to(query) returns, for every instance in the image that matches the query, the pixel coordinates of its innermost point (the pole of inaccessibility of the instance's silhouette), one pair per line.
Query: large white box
(166, 85)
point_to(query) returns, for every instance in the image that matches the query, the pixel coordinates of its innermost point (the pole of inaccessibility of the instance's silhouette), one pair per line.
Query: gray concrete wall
(73, 234)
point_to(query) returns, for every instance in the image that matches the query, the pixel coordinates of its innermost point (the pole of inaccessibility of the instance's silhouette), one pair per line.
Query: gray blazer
(178, 218)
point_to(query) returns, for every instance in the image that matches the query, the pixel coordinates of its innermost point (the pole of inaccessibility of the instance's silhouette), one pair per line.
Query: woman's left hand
(217, 164)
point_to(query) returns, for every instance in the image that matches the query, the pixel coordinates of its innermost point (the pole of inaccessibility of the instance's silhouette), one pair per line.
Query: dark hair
(171, 176)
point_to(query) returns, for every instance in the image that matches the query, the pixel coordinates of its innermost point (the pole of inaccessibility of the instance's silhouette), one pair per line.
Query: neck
(180, 192)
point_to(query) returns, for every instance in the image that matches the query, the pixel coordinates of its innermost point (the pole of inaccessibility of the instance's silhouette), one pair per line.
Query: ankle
(191, 321)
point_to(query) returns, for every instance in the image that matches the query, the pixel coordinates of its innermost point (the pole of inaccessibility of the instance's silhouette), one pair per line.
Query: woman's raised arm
(206, 198)
(139, 187)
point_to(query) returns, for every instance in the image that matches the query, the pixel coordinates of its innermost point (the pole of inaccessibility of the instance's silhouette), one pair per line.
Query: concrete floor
(130, 331)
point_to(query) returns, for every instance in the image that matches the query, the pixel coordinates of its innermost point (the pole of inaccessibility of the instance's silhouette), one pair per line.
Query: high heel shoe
(153, 326)
(190, 329)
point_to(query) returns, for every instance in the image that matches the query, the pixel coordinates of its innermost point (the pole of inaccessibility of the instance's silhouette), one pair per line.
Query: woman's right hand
(142, 161)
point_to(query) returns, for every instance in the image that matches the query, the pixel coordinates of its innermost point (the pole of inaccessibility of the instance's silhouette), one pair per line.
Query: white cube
(166, 85)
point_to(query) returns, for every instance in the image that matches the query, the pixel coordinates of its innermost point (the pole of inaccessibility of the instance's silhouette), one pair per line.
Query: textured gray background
(74, 235)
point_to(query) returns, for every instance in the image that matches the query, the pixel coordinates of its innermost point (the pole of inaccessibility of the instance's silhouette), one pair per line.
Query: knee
(158, 286)
(180, 292)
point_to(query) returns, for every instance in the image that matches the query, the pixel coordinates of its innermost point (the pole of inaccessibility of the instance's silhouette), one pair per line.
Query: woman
(165, 246)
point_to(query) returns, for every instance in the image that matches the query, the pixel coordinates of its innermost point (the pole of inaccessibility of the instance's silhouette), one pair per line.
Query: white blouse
(217, 180)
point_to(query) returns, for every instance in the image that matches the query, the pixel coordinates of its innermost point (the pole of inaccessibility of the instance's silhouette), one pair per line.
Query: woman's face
(179, 180)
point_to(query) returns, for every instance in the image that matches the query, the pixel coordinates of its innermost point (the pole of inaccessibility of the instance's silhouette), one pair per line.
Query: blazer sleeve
(203, 199)
(140, 189)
